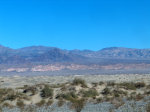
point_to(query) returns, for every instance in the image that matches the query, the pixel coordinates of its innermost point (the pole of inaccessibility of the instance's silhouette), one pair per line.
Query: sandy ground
(18, 81)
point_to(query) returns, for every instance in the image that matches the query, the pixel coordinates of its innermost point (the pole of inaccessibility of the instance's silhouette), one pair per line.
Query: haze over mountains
(41, 58)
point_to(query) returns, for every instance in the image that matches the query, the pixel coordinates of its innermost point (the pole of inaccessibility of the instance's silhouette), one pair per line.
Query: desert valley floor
(75, 93)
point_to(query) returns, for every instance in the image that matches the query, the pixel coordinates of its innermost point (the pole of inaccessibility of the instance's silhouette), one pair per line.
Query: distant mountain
(57, 59)
(116, 52)
(36, 54)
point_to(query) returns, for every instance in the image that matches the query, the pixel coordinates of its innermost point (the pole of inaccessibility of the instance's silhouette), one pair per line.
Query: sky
(75, 24)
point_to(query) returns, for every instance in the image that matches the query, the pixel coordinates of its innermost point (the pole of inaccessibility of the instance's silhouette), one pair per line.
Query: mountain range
(41, 58)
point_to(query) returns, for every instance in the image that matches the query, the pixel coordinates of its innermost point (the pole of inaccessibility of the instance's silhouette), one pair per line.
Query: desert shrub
(10, 94)
(108, 99)
(110, 83)
(73, 89)
(41, 103)
(57, 85)
(20, 104)
(99, 100)
(49, 102)
(78, 104)
(117, 102)
(101, 83)
(11, 97)
(90, 93)
(60, 102)
(148, 87)
(127, 85)
(139, 97)
(6, 94)
(147, 92)
(95, 84)
(7, 105)
(132, 96)
(31, 89)
(106, 91)
(132, 86)
(140, 84)
(63, 88)
(148, 107)
(117, 93)
(67, 96)
(47, 92)
(78, 81)
(30, 108)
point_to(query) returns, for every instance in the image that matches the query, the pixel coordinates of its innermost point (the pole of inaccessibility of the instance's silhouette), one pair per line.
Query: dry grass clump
(148, 107)
(60, 102)
(41, 103)
(90, 93)
(57, 85)
(5, 94)
(118, 93)
(78, 104)
(20, 104)
(67, 96)
(140, 85)
(111, 83)
(95, 84)
(49, 102)
(78, 81)
(31, 89)
(99, 100)
(106, 91)
(11, 95)
(47, 92)
(136, 97)
(117, 102)
(101, 83)
(7, 105)
(127, 85)
(139, 97)
(131, 85)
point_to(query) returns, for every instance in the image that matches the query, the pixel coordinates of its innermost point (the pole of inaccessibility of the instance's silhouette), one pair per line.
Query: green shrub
(67, 96)
(101, 83)
(131, 85)
(31, 89)
(78, 104)
(47, 92)
(99, 100)
(110, 83)
(148, 107)
(7, 105)
(60, 102)
(20, 104)
(95, 84)
(127, 85)
(78, 81)
(140, 84)
(139, 97)
(41, 103)
(117, 93)
(50, 102)
(106, 91)
(90, 93)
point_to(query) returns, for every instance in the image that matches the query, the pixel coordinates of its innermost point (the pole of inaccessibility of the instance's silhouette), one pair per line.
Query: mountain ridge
(40, 58)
